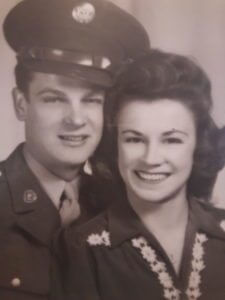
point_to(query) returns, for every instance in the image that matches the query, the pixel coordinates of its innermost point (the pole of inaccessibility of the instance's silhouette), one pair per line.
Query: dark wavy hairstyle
(158, 75)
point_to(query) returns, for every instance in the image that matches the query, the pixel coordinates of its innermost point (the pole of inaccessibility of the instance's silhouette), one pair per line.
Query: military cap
(85, 39)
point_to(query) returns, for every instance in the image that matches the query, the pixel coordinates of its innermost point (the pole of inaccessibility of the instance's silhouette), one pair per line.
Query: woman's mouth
(153, 177)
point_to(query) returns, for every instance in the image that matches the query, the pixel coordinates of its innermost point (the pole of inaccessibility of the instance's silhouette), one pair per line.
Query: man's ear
(20, 104)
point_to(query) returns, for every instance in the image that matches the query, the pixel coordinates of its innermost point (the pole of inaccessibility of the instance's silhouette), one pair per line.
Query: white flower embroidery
(194, 280)
(96, 239)
(139, 242)
(165, 279)
(149, 254)
(193, 291)
(197, 251)
(170, 292)
(158, 266)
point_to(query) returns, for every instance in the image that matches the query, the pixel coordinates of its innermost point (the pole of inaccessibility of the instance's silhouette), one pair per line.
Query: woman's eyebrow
(131, 131)
(172, 131)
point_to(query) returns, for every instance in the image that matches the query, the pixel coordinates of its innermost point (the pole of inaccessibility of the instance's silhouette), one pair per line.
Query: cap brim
(85, 73)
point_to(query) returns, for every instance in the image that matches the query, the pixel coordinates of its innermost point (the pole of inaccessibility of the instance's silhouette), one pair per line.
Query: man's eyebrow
(96, 91)
(50, 90)
(172, 131)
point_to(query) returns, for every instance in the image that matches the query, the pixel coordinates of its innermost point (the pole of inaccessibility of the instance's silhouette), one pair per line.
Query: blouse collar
(124, 224)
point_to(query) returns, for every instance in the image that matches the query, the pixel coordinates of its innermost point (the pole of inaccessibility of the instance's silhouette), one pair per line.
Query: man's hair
(160, 75)
(23, 77)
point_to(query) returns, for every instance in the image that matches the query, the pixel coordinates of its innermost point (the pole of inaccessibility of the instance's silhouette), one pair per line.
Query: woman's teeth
(152, 176)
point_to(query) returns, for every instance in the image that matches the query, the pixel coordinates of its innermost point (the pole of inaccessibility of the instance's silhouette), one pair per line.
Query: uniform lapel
(35, 213)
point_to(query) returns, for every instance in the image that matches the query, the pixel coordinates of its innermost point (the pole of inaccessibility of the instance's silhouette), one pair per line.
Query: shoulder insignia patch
(30, 196)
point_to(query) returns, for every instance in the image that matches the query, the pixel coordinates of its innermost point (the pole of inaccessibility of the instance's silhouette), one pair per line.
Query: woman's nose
(153, 155)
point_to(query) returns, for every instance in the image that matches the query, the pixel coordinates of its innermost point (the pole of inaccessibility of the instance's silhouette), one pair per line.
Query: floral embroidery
(170, 292)
(193, 291)
(96, 239)
(159, 267)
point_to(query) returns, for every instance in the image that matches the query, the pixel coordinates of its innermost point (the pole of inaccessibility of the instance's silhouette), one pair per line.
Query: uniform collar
(52, 184)
(35, 213)
(124, 224)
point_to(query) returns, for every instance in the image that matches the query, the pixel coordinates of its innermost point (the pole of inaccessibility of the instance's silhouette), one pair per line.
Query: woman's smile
(152, 177)
(155, 157)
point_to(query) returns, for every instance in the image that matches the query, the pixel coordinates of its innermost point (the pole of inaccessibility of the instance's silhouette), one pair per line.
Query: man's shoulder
(8, 166)
(3, 177)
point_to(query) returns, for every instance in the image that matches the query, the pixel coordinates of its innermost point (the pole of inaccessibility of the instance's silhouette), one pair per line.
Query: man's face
(63, 120)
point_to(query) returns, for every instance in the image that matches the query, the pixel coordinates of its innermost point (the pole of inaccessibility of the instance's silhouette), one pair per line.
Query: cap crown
(94, 27)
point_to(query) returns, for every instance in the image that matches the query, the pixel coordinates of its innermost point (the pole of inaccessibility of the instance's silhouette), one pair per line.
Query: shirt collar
(124, 224)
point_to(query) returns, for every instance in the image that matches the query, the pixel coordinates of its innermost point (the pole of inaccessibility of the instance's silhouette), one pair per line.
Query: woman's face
(156, 143)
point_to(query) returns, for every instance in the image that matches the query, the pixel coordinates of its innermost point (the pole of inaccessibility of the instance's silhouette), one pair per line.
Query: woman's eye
(134, 140)
(173, 140)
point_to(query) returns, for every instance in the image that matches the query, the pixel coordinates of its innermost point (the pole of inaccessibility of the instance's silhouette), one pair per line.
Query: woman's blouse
(113, 257)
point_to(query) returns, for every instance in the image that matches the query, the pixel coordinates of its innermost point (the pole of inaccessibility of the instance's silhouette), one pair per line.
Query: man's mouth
(152, 176)
(74, 139)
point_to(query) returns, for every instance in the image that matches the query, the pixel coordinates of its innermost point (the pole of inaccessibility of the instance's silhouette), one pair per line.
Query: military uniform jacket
(114, 257)
(28, 222)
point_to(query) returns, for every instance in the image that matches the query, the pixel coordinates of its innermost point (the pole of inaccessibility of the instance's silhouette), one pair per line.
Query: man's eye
(53, 99)
(173, 140)
(94, 100)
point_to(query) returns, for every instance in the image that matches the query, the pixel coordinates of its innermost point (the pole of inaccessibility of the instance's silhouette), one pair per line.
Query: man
(68, 53)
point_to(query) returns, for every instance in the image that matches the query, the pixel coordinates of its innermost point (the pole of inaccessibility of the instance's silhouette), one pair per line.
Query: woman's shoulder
(91, 230)
(210, 217)
(212, 208)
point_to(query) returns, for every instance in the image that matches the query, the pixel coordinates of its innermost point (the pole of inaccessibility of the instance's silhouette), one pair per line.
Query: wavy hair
(158, 75)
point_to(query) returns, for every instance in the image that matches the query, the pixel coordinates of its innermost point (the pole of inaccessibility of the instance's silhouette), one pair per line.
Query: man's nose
(75, 116)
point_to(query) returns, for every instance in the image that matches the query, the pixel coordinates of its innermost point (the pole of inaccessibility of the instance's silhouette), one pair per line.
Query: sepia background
(190, 27)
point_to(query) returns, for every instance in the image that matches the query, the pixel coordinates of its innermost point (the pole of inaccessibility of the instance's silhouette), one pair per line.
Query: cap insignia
(84, 13)
(29, 196)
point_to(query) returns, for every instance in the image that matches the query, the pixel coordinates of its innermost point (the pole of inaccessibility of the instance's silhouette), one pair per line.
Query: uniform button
(16, 282)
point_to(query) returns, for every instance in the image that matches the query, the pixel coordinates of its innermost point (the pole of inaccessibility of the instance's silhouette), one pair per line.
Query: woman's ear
(20, 104)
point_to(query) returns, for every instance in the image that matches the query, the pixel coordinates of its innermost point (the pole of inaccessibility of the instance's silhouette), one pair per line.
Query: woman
(161, 239)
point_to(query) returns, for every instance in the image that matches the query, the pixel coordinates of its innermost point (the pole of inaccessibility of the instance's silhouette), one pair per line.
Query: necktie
(69, 208)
